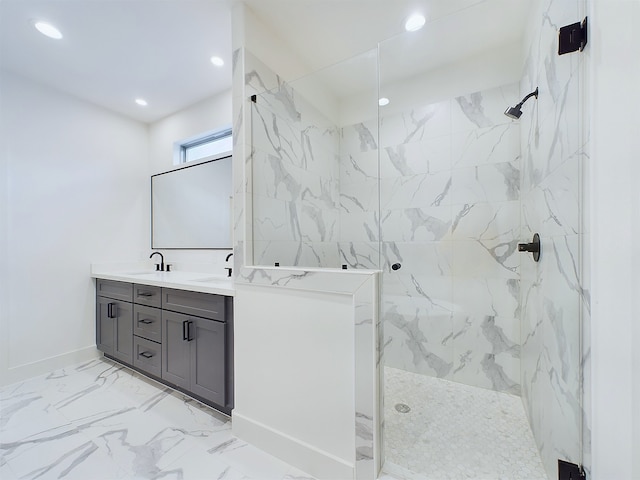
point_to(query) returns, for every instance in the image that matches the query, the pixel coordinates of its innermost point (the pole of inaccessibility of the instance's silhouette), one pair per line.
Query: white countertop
(193, 281)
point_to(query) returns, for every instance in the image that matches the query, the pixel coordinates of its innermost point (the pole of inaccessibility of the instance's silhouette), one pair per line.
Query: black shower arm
(532, 94)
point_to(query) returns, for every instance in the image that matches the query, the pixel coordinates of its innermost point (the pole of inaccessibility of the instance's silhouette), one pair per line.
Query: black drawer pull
(146, 294)
(146, 321)
(112, 310)
(189, 337)
(184, 330)
(146, 354)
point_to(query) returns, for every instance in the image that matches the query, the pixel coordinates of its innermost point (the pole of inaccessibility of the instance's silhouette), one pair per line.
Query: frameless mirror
(191, 206)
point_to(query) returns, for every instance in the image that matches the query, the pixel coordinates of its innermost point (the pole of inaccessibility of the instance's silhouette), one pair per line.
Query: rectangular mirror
(191, 206)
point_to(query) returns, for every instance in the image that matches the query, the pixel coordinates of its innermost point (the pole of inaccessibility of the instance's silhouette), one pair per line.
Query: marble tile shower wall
(295, 171)
(554, 292)
(450, 215)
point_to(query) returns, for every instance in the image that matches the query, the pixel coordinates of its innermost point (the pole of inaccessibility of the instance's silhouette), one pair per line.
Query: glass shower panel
(315, 169)
(481, 344)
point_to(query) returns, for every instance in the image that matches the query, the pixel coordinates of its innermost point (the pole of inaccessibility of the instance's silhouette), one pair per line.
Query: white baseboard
(29, 370)
(320, 464)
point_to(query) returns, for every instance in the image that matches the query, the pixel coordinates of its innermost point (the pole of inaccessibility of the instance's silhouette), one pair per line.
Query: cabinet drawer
(147, 295)
(204, 305)
(147, 322)
(147, 356)
(116, 290)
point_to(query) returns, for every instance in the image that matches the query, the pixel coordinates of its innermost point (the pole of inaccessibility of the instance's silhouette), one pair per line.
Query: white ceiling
(114, 51)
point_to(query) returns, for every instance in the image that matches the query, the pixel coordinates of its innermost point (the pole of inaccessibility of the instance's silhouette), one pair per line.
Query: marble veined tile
(358, 167)
(359, 138)
(430, 155)
(416, 191)
(498, 182)
(27, 413)
(74, 458)
(251, 461)
(361, 196)
(487, 352)
(494, 144)
(483, 109)
(427, 224)
(417, 124)
(359, 227)
(201, 465)
(360, 254)
(495, 221)
(148, 432)
(478, 258)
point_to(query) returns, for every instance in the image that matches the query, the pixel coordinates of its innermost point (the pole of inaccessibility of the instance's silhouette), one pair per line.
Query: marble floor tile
(455, 431)
(102, 421)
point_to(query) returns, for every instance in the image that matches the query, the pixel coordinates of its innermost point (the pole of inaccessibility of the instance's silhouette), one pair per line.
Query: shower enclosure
(481, 345)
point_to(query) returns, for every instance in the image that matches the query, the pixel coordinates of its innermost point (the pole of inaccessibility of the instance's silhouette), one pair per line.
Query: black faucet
(228, 269)
(159, 266)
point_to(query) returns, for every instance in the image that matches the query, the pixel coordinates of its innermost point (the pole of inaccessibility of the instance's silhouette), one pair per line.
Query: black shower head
(515, 112)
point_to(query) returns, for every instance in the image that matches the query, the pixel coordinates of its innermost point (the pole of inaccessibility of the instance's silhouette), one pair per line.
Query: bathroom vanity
(175, 327)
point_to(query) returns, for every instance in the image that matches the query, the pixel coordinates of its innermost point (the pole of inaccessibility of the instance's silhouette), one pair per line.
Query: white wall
(77, 191)
(211, 114)
(615, 217)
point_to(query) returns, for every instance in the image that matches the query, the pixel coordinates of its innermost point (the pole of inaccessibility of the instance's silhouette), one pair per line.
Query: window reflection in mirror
(191, 206)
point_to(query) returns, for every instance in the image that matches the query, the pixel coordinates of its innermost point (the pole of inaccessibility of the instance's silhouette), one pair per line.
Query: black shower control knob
(396, 266)
(528, 247)
(533, 247)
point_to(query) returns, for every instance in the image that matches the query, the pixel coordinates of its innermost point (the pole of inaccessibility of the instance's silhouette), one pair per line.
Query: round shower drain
(402, 408)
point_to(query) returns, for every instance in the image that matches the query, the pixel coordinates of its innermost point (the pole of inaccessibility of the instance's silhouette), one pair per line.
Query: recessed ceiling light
(414, 22)
(48, 30)
(217, 61)
(142, 102)
(383, 101)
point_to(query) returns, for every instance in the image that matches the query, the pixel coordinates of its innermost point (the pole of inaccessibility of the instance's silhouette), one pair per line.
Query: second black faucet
(228, 269)
(159, 266)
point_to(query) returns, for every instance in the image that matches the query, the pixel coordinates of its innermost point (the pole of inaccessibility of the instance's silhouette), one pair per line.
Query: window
(204, 147)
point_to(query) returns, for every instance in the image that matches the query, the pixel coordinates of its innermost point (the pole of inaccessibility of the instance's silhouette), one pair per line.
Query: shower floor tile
(455, 431)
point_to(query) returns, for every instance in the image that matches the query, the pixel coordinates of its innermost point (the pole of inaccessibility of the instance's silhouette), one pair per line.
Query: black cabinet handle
(146, 321)
(146, 354)
(184, 330)
(189, 336)
(111, 311)
(145, 294)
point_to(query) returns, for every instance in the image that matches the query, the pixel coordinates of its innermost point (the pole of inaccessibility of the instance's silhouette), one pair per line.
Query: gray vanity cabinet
(181, 338)
(114, 320)
(193, 355)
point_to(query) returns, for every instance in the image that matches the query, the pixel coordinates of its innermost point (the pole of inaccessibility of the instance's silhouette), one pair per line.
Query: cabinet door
(123, 348)
(105, 325)
(208, 359)
(175, 349)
